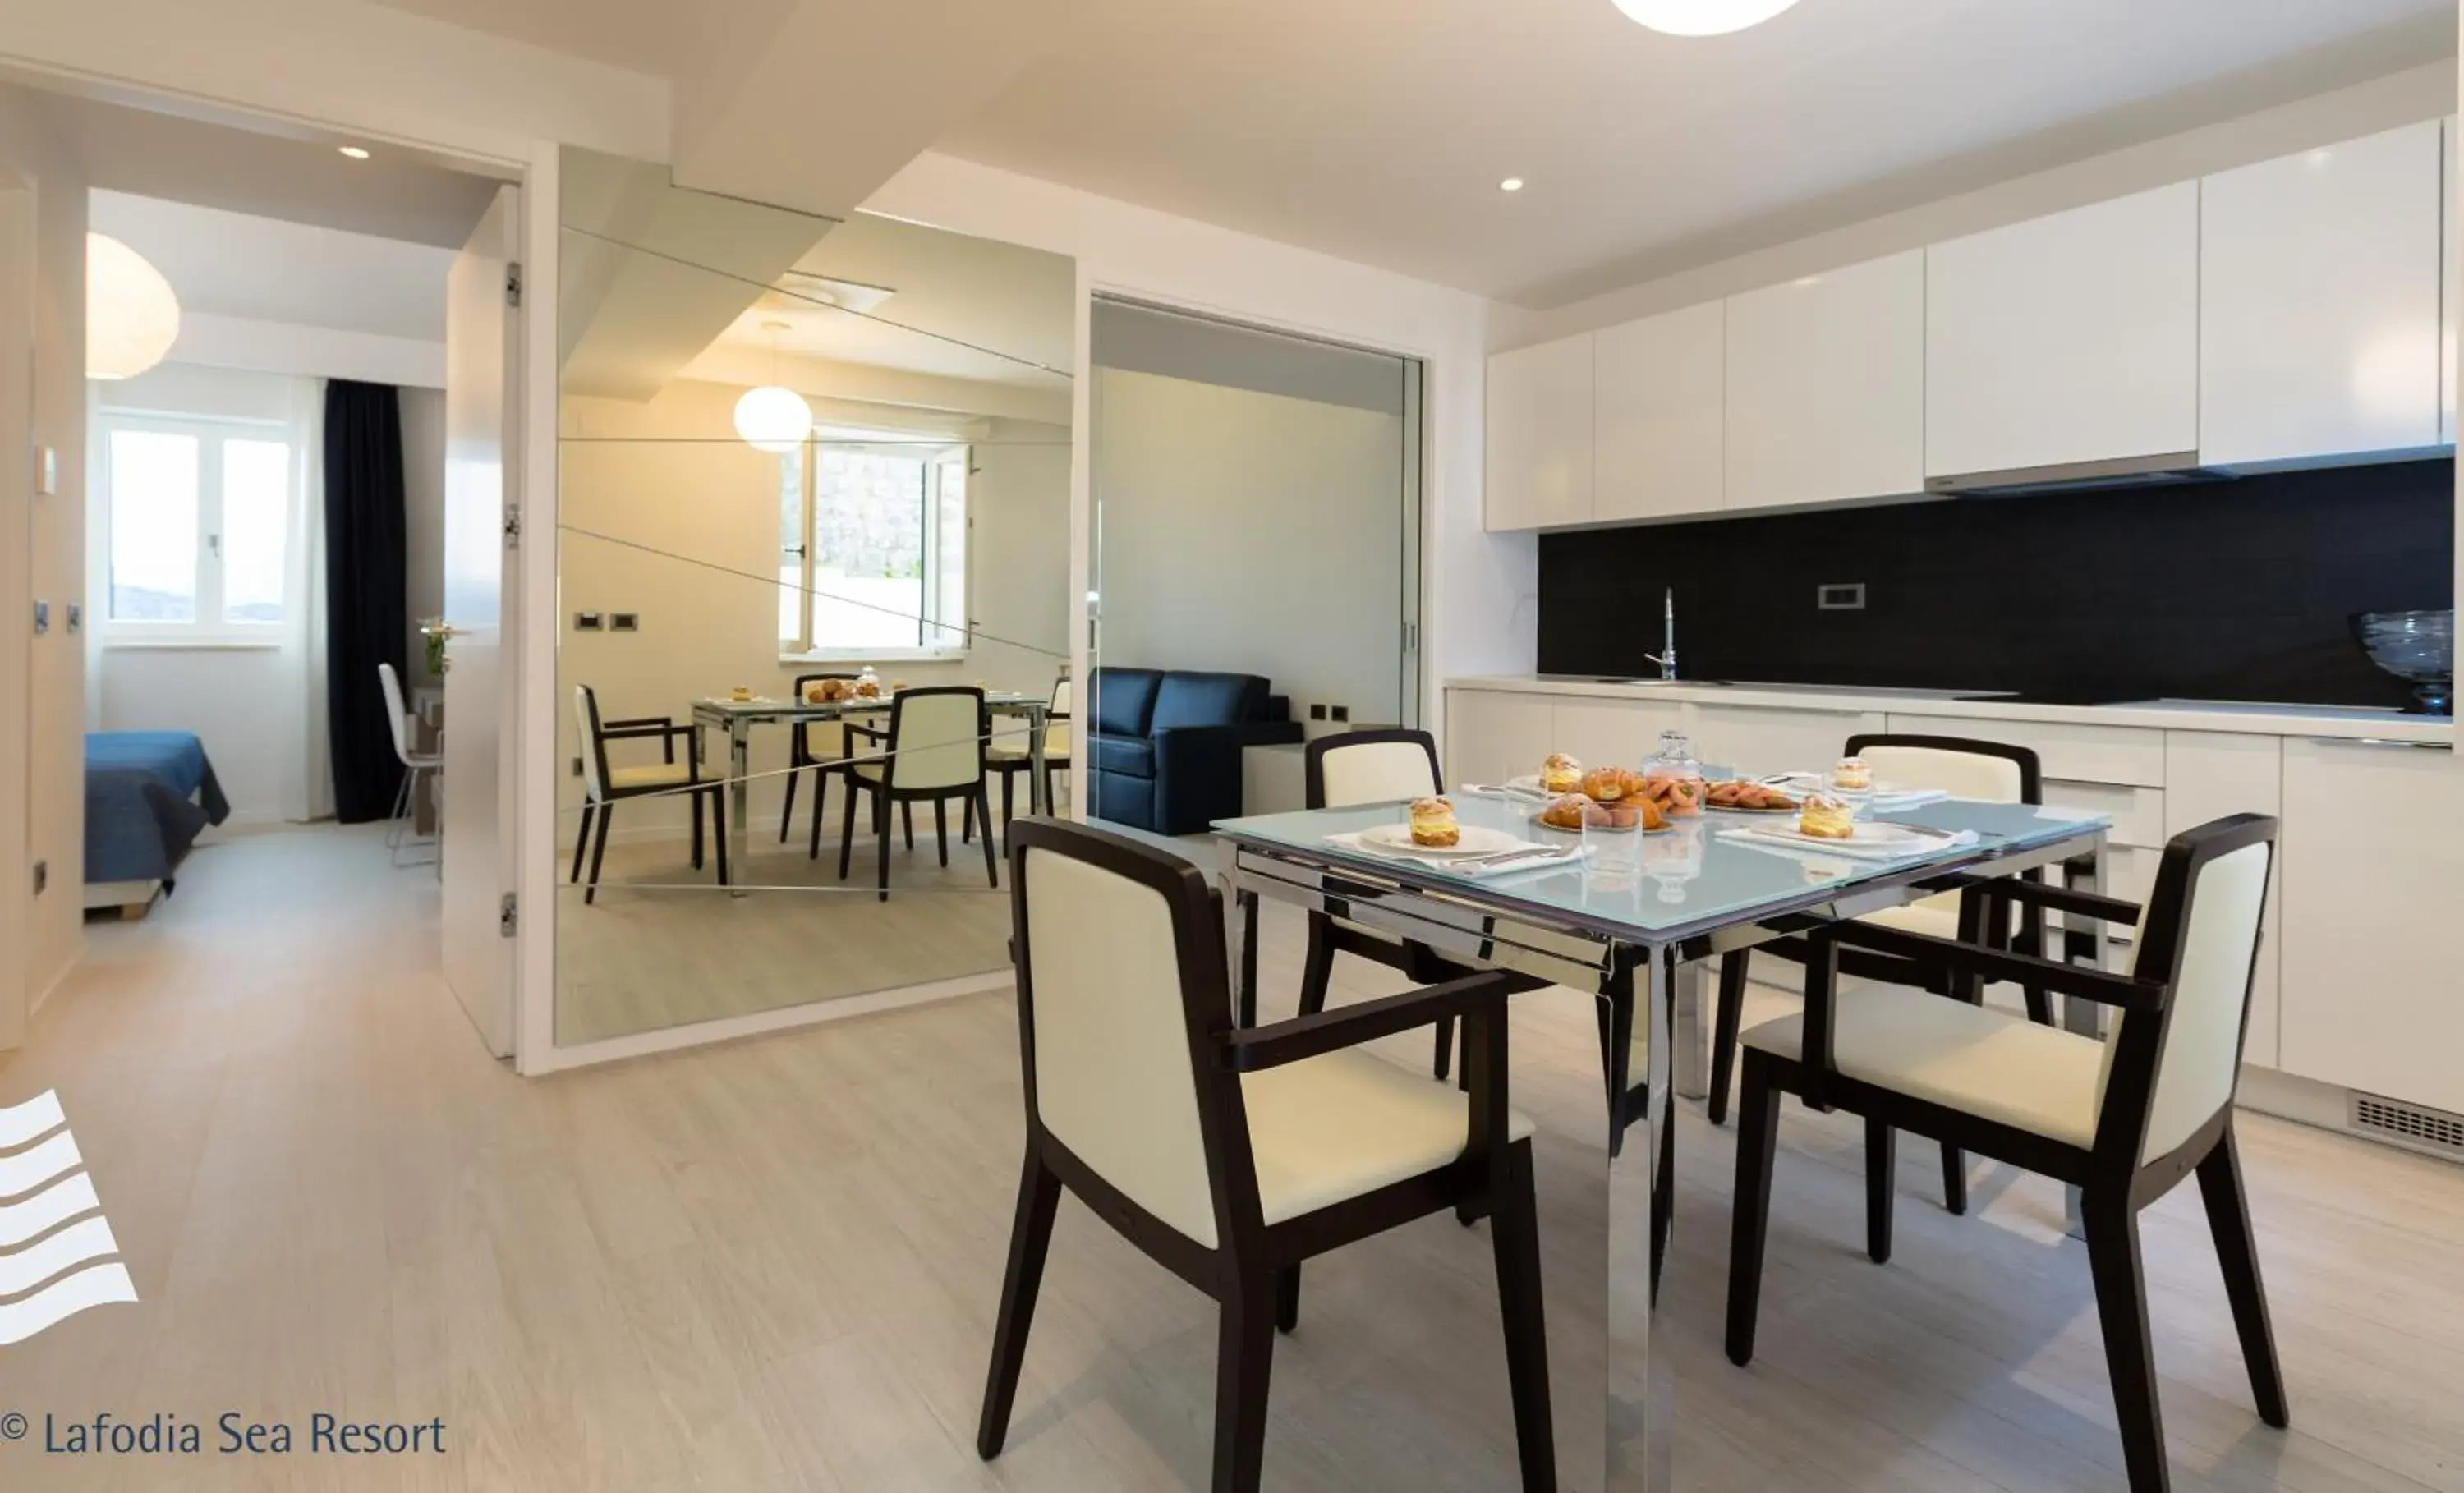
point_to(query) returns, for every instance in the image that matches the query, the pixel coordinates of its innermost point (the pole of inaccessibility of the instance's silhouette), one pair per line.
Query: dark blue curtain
(365, 602)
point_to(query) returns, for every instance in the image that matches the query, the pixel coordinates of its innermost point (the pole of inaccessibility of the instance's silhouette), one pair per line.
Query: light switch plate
(77, 617)
(623, 621)
(42, 618)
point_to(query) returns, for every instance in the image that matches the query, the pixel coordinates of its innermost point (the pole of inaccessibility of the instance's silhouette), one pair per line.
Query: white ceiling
(238, 265)
(300, 176)
(1377, 130)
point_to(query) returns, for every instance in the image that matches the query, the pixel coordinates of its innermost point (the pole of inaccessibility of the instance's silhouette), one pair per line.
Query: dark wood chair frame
(883, 794)
(645, 728)
(2114, 1183)
(1254, 1271)
(799, 757)
(1975, 925)
(1009, 767)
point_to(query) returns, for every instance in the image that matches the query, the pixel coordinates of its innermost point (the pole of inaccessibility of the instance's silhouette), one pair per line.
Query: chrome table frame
(739, 718)
(1484, 924)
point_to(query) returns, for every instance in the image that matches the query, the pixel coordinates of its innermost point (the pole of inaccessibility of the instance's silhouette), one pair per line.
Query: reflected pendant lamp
(131, 315)
(1701, 17)
(773, 418)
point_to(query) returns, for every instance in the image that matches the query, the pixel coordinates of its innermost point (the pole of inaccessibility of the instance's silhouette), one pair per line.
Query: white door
(481, 351)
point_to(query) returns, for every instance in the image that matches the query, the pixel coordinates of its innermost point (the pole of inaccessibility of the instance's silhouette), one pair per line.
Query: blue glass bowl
(2418, 648)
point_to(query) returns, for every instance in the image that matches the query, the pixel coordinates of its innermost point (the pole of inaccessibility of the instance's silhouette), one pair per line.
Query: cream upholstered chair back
(1110, 938)
(594, 752)
(2200, 929)
(397, 714)
(937, 738)
(825, 741)
(1989, 772)
(1056, 730)
(1371, 767)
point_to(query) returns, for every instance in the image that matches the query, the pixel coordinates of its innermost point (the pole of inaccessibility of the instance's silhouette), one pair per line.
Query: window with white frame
(197, 519)
(872, 548)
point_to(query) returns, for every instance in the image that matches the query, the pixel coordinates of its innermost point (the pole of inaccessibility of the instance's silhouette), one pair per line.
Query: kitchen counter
(2346, 722)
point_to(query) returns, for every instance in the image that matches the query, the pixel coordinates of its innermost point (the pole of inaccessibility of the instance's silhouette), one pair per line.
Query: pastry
(1433, 823)
(1751, 797)
(1561, 774)
(867, 688)
(1607, 784)
(1675, 795)
(1853, 775)
(1825, 818)
(1566, 811)
(740, 693)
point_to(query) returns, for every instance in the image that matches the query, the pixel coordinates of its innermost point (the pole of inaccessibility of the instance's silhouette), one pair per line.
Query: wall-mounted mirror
(813, 556)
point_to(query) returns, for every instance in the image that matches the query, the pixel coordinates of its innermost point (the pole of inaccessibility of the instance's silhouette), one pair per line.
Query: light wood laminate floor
(774, 1264)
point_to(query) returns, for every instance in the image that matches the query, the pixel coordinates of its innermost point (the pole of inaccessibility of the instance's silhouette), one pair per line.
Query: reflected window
(872, 551)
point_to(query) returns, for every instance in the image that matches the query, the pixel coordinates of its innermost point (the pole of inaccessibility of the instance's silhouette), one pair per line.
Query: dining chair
(605, 785)
(417, 767)
(2123, 1119)
(823, 746)
(933, 752)
(1373, 767)
(1991, 772)
(1010, 762)
(1229, 1155)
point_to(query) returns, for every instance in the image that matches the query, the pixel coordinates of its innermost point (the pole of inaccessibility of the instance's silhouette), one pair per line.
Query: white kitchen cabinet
(2372, 863)
(1826, 386)
(1539, 435)
(2320, 289)
(2068, 751)
(2073, 337)
(1659, 398)
(2454, 281)
(1760, 740)
(1493, 734)
(2208, 774)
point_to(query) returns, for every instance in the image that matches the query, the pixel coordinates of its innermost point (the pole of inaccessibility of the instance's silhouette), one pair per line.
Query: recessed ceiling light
(355, 152)
(1701, 17)
(1512, 184)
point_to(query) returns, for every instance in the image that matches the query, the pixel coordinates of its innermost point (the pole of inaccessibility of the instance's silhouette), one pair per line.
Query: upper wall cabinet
(2067, 339)
(1659, 419)
(1540, 435)
(2320, 287)
(1826, 386)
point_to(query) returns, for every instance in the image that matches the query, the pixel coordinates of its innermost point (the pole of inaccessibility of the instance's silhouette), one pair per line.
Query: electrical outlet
(43, 876)
(77, 617)
(1317, 712)
(588, 622)
(42, 618)
(623, 621)
(1343, 714)
(577, 767)
(1841, 597)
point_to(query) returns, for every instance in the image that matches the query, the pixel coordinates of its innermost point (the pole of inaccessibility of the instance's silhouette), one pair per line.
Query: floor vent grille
(2411, 1122)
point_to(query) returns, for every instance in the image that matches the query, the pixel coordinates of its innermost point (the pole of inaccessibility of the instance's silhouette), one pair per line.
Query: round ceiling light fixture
(132, 317)
(773, 418)
(1512, 184)
(355, 152)
(1701, 17)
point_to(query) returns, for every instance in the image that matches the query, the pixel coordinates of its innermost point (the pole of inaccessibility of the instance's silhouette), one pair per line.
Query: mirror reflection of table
(737, 718)
(427, 735)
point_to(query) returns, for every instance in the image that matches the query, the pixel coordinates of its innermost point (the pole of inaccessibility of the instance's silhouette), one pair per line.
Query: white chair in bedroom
(418, 767)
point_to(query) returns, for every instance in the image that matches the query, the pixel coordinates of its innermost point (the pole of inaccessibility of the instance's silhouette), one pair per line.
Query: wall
(1479, 613)
(40, 936)
(666, 514)
(2237, 590)
(1253, 532)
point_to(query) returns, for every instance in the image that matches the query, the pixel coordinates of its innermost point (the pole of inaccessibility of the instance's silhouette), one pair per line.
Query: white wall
(2423, 92)
(42, 705)
(1478, 615)
(1255, 533)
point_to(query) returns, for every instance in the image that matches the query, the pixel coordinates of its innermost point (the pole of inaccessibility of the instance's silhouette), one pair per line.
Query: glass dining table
(737, 718)
(1637, 940)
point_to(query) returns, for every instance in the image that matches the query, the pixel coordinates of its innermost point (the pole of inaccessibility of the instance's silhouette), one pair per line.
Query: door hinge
(513, 527)
(508, 916)
(1411, 637)
(514, 284)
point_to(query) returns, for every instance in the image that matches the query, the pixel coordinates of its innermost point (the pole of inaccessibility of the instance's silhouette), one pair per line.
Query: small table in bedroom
(737, 718)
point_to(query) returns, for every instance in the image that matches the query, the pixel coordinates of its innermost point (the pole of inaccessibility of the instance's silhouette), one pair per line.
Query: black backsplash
(2237, 590)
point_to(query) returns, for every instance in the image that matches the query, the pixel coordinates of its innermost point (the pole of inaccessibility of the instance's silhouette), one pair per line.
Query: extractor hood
(2163, 469)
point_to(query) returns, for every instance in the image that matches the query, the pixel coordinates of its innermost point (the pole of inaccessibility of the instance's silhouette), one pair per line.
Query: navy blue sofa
(1165, 744)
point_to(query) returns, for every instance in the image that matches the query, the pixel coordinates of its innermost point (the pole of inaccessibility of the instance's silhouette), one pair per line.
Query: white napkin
(1476, 870)
(1899, 850)
(1885, 801)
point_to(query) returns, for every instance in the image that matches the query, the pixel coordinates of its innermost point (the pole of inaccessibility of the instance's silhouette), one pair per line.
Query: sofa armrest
(1198, 771)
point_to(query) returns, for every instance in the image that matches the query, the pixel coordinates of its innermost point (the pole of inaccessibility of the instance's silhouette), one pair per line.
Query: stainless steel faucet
(1666, 657)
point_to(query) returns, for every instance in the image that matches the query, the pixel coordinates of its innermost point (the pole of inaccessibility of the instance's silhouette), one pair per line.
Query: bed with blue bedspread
(148, 794)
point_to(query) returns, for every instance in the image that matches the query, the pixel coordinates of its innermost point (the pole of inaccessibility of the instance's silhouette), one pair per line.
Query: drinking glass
(1613, 846)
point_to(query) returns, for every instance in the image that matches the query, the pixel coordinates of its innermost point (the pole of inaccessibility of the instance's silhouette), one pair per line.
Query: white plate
(1868, 832)
(1476, 841)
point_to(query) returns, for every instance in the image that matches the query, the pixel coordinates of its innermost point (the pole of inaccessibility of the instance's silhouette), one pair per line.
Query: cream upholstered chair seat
(1935, 918)
(1990, 1064)
(1327, 1129)
(655, 775)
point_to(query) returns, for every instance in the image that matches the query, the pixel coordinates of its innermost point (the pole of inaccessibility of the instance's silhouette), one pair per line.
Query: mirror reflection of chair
(1231, 1155)
(932, 752)
(1010, 760)
(605, 785)
(417, 767)
(822, 746)
(2124, 1119)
